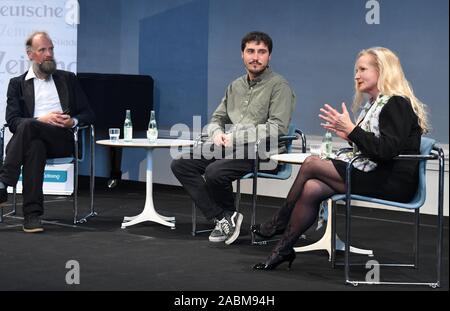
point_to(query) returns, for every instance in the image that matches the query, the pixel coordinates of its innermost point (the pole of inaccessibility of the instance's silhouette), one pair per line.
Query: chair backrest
(426, 145)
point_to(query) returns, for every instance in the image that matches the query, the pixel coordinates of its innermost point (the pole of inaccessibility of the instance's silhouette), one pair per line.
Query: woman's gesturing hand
(336, 122)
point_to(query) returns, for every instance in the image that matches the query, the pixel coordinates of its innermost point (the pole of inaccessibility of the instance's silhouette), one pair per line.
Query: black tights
(316, 181)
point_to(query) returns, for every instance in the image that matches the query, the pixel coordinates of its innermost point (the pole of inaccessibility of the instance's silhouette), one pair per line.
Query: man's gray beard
(48, 67)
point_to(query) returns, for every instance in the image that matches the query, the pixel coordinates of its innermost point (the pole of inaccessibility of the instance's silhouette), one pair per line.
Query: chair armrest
(303, 138)
(200, 139)
(415, 157)
(399, 157)
(78, 128)
(287, 138)
(2, 142)
(284, 138)
(342, 150)
(83, 128)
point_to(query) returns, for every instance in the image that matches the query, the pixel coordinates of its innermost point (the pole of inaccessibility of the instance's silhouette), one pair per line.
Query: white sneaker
(231, 226)
(217, 234)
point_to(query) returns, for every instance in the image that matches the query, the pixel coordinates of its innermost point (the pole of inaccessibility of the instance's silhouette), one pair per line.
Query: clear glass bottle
(327, 145)
(152, 132)
(128, 127)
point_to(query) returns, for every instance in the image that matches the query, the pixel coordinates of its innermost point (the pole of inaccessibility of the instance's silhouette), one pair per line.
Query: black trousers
(209, 181)
(30, 146)
(116, 163)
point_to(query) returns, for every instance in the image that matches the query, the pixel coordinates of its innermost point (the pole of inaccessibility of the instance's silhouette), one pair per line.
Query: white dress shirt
(46, 98)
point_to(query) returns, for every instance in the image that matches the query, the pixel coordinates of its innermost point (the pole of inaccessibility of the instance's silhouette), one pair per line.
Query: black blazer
(20, 99)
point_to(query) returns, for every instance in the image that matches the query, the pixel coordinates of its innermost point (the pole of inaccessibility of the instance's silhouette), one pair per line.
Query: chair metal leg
(92, 170)
(92, 173)
(75, 190)
(92, 211)
(416, 237)
(14, 202)
(238, 195)
(13, 211)
(92, 185)
(333, 233)
(440, 215)
(347, 241)
(194, 222)
(253, 218)
(194, 219)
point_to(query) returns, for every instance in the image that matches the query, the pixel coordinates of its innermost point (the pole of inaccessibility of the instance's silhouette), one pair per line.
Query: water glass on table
(315, 149)
(114, 134)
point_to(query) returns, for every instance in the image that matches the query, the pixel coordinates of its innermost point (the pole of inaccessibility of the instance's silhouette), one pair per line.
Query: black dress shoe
(32, 224)
(256, 229)
(275, 260)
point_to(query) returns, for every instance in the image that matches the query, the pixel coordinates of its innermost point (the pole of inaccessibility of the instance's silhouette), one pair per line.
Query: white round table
(325, 242)
(292, 158)
(149, 213)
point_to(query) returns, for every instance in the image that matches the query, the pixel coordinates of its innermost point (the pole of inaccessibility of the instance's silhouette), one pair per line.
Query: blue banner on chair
(58, 180)
(53, 176)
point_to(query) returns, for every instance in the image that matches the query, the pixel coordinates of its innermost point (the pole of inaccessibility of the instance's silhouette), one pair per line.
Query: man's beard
(256, 72)
(47, 67)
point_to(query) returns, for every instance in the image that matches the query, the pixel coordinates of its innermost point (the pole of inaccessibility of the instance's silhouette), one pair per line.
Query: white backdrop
(18, 19)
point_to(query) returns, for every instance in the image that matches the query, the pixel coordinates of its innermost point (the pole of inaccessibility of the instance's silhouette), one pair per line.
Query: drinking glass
(114, 134)
(315, 149)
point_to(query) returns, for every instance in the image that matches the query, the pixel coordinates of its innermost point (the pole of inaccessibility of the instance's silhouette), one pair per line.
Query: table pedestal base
(149, 213)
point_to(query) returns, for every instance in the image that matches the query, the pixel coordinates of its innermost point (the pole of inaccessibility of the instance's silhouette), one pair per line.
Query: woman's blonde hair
(392, 81)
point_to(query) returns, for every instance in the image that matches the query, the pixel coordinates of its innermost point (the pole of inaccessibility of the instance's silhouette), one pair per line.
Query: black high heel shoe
(274, 261)
(256, 229)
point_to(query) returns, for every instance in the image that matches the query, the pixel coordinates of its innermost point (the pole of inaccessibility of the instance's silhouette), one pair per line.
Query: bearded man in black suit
(43, 107)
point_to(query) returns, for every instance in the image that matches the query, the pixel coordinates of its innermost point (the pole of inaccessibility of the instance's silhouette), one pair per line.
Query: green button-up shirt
(252, 110)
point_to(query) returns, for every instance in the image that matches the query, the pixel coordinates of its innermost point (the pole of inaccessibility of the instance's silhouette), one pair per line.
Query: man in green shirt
(256, 106)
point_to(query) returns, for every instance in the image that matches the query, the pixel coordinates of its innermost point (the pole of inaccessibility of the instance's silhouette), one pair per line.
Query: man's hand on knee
(220, 139)
(57, 118)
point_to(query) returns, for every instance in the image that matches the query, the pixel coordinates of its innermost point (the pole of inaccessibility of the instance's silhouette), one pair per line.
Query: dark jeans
(209, 181)
(30, 146)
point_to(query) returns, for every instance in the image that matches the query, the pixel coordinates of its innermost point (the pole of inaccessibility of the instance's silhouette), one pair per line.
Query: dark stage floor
(152, 257)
